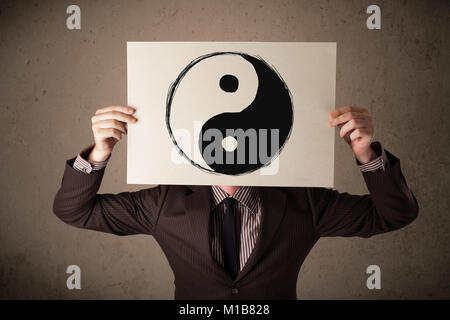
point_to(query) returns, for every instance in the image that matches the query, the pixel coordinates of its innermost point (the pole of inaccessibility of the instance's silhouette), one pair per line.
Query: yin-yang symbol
(235, 107)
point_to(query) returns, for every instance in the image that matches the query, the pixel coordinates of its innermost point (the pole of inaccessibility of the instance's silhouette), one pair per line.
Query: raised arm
(389, 206)
(77, 202)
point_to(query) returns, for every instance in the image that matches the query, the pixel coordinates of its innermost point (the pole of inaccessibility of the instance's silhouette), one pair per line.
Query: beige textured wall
(53, 79)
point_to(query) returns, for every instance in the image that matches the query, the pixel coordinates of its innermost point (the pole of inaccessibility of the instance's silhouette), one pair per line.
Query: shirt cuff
(377, 164)
(82, 164)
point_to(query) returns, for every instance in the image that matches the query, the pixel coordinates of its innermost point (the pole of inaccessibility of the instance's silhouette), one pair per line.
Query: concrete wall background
(53, 79)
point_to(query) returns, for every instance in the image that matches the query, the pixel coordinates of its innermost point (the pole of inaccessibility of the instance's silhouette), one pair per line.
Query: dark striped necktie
(229, 241)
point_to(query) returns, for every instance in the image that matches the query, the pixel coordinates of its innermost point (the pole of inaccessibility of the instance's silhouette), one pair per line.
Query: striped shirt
(248, 209)
(82, 164)
(248, 205)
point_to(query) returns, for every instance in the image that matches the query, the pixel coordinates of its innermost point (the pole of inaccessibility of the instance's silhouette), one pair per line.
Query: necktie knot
(229, 203)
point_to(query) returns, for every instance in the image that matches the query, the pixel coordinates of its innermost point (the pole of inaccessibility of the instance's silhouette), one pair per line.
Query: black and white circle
(230, 93)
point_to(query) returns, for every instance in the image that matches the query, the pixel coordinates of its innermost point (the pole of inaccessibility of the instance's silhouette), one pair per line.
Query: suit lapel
(198, 210)
(273, 205)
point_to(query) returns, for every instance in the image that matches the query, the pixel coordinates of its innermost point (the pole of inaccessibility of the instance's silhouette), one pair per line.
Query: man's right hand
(108, 125)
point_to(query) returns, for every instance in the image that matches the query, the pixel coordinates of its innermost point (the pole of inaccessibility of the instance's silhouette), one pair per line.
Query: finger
(347, 117)
(353, 124)
(104, 133)
(345, 109)
(360, 133)
(117, 115)
(111, 123)
(124, 109)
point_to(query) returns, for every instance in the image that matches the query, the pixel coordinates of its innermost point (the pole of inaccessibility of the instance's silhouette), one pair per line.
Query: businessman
(231, 242)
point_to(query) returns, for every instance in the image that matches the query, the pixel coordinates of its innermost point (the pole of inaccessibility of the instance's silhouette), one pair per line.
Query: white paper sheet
(308, 70)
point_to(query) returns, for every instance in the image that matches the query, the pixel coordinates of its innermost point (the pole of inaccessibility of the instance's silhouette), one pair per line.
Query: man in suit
(231, 242)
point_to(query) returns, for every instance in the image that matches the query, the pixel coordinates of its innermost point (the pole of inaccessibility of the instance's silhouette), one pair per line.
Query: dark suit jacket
(293, 219)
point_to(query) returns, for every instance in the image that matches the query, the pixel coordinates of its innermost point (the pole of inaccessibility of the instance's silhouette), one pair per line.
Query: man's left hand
(356, 127)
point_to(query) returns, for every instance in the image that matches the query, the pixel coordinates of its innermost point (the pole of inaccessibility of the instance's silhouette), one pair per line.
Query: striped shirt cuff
(86, 166)
(377, 164)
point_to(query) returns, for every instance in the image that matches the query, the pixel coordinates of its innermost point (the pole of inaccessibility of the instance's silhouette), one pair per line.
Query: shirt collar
(248, 196)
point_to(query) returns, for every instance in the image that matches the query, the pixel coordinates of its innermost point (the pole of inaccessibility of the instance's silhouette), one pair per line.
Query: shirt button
(84, 170)
(235, 291)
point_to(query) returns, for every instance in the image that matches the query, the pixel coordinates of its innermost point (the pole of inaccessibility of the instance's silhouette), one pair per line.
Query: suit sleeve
(389, 206)
(78, 204)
